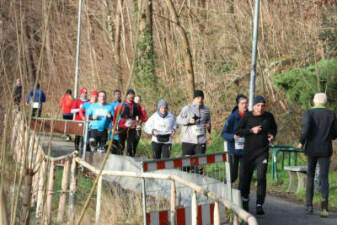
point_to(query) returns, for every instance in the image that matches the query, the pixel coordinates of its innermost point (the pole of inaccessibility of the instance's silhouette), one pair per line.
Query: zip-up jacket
(203, 115)
(162, 125)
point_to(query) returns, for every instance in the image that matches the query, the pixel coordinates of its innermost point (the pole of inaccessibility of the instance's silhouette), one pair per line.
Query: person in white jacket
(162, 126)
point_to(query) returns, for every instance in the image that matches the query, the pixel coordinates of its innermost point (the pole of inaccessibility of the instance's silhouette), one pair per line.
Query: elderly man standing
(319, 128)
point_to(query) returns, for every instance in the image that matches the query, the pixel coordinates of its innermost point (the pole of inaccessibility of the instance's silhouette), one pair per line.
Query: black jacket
(17, 94)
(256, 145)
(319, 128)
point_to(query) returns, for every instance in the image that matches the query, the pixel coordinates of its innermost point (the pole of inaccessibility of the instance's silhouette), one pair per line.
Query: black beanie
(130, 91)
(239, 97)
(198, 93)
(259, 99)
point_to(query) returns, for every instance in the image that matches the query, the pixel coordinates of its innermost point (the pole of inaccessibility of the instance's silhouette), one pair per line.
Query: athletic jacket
(66, 103)
(162, 125)
(77, 104)
(202, 115)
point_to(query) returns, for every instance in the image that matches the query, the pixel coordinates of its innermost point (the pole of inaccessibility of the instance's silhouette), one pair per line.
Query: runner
(127, 122)
(39, 99)
(117, 147)
(101, 115)
(139, 126)
(235, 142)
(259, 129)
(195, 119)
(17, 95)
(319, 128)
(66, 102)
(75, 109)
(162, 125)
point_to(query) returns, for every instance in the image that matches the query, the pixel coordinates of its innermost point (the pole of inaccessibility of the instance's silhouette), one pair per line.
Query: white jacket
(162, 125)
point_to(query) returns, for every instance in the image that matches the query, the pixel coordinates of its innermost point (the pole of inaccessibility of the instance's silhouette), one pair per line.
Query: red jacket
(128, 113)
(66, 103)
(77, 105)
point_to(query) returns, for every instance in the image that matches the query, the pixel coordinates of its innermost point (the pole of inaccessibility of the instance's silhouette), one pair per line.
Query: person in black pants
(319, 128)
(258, 128)
(235, 143)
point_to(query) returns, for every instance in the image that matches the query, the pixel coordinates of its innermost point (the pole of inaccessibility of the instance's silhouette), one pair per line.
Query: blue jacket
(102, 122)
(227, 133)
(39, 96)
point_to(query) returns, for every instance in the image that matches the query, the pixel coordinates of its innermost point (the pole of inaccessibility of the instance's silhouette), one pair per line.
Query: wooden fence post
(50, 192)
(40, 194)
(216, 213)
(173, 203)
(72, 191)
(63, 196)
(194, 208)
(99, 197)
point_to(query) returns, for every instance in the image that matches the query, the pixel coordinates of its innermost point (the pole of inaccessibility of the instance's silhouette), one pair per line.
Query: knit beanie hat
(161, 103)
(94, 93)
(198, 93)
(259, 99)
(83, 90)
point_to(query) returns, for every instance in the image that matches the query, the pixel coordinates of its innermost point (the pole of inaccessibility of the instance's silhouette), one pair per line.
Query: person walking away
(319, 128)
(75, 109)
(162, 126)
(36, 103)
(17, 95)
(117, 148)
(66, 102)
(127, 122)
(259, 129)
(100, 114)
(195, 119)
(235, 143)
(139, 126)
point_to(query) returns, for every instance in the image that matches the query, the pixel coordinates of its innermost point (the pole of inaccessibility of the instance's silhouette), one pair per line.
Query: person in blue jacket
(36, 103)
(235, 143)
(100, 114)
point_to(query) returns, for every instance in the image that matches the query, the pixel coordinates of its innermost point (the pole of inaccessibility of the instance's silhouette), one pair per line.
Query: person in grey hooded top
(195, 119)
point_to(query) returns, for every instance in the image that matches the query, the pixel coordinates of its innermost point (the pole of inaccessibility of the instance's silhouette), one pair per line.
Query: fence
(41, 181)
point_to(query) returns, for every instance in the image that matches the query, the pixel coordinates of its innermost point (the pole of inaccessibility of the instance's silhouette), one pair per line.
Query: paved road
(281, 212)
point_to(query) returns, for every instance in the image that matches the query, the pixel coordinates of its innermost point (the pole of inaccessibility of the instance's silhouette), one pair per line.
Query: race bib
(129, 122)
(239, 143)
(199, 130)
(162, 127)
(35, 105)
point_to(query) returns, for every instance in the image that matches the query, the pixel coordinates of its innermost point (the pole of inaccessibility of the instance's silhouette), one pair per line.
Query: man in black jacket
(259, 128)
(17, 94)
(319, 128)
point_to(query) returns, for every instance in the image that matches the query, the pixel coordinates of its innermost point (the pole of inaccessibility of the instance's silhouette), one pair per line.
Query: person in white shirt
(162, 126)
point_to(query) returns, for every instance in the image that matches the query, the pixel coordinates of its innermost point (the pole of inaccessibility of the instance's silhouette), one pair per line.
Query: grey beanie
(161, 103)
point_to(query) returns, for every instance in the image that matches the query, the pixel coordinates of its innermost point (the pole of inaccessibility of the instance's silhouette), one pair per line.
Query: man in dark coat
(17, 94)
(319, 128)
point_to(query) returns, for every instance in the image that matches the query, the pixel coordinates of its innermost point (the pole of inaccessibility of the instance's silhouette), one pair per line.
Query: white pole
(254, 51)
(78, 47)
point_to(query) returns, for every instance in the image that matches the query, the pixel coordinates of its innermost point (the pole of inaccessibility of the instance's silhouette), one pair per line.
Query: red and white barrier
(183, 216)
(184, 161)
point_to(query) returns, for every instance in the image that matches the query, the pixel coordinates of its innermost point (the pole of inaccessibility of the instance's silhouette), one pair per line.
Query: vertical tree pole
(194, 208)
(72, 191)
(42, 177)
(99, 199)
(254, 53)
(173, 203)
(63, 197)
(50, 192)
(78, 46)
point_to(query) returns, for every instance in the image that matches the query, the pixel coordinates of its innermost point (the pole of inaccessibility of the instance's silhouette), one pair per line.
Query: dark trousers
(37, 111)
(247, 168)
(78, 140)
(161, 150)
(128, 135)
(100, 137)
(234, 161)
(68, 116)
(193, 149)
(138, 136)
(324, 164)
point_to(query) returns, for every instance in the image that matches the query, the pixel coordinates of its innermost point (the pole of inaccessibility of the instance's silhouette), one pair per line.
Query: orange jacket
(66, 102)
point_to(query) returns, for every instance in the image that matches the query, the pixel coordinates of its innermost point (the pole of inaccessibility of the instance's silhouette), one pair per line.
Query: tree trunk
(27, 195)
(188, 56)
(118, 44)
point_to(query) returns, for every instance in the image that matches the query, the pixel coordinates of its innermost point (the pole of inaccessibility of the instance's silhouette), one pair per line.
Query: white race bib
(129, 122)
(35, 105)
(199, 130)
(239, 143)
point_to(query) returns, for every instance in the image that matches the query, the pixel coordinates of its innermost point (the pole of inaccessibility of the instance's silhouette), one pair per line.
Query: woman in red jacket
(66, 102)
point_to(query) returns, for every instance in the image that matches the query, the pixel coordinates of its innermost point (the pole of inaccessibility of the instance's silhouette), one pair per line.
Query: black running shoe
(309, 210)
(259, 210)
